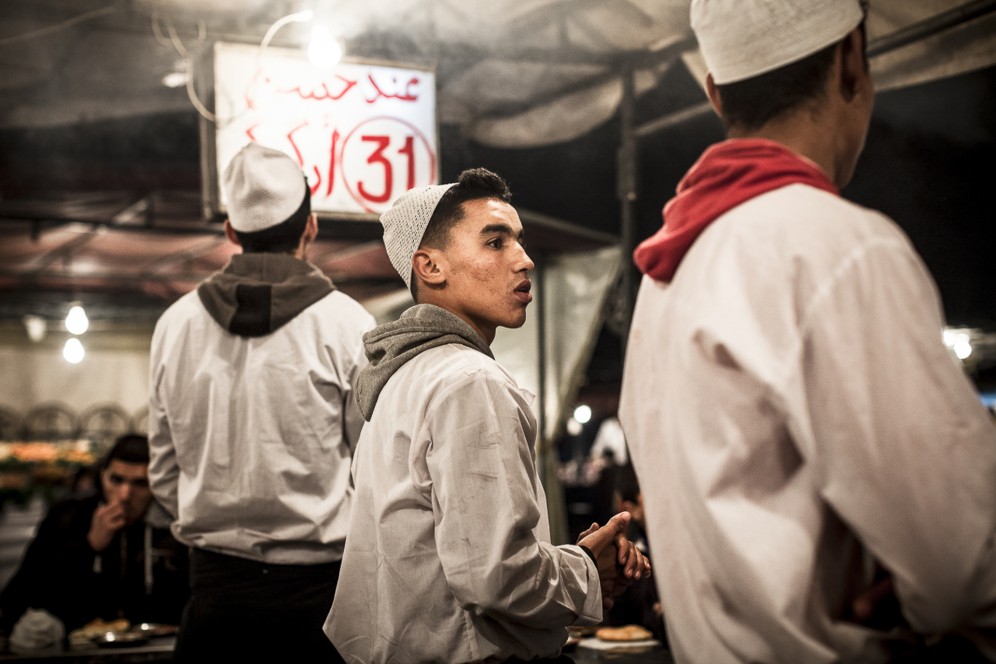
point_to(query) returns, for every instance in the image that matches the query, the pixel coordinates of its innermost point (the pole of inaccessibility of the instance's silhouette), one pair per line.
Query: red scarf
(726, 175)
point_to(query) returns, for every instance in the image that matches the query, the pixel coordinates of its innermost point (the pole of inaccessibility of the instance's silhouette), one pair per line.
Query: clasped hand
(618, 560)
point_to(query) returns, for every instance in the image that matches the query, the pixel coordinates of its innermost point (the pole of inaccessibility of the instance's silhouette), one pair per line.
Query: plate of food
(120, 639)
(84, 636)
(154, 629)
(628, 638)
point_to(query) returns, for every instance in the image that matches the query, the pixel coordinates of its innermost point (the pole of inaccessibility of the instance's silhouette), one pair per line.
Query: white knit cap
(263, 188)
(740, 39)
(405, 224)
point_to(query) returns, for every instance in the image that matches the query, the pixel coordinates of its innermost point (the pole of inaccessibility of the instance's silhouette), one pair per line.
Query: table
(157, 649)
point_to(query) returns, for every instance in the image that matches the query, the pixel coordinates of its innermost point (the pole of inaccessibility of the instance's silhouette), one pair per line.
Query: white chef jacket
(791, 413)
(248, 448)
(448, 557)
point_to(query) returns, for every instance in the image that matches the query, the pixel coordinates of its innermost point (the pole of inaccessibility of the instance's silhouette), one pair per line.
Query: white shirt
(792, 412)
(448, 557)
(251, 437)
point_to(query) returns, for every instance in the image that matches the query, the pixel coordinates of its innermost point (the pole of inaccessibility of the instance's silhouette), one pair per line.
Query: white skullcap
(263, 187)
(405, 224)
(740, 39)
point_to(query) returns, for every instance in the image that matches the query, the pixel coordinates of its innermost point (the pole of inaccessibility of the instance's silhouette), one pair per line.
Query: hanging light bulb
(324, 50)
(76, 321)
(583, 414)
(73, 351)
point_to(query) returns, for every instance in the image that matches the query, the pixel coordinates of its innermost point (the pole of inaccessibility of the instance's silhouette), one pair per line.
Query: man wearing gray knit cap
(449, 557)
(819, 474)
(252, 424)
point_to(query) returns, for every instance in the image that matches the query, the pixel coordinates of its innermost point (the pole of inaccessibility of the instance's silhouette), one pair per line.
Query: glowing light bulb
(582, 414)
(76, 320)
(73, 351)
(324, 50)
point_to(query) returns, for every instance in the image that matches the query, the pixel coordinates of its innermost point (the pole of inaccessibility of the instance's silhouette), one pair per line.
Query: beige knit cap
(405, 223)
(740, 39)
(263, 188)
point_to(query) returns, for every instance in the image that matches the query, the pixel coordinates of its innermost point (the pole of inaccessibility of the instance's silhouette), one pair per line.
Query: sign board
(363, 133)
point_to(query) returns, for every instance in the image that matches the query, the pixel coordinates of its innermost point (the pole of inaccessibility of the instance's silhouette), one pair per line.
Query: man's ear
(230, 234)
(310, 230)
(429, 266)
(854, 74)
(312, 226)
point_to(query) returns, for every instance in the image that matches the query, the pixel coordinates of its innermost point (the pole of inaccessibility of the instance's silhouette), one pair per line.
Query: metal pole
(627, 198)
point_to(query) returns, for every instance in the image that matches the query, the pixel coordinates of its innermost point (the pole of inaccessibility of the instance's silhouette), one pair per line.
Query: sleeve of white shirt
(164, 472)
(485, 489)
(904, 448)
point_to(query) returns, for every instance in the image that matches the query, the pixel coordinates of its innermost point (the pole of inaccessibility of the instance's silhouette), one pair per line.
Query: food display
(97, 628)
(624, 633)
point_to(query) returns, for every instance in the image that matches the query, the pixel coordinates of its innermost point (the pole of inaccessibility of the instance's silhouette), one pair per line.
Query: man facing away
(448, 557)
(103, 557)
(819, 474)
(252, 423)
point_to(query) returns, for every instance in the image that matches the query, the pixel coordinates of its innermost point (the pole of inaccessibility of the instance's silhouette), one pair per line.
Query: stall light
(175, 79)
(574, 427)
(76, 320)
(35, 327)
(73, 351)
(959, 341)
(582, 414)
(324, 50)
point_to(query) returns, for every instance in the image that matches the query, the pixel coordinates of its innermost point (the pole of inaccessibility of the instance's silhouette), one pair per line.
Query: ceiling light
(324, 50)
(175, 79)
(76, 320)
(582, 414)
(35, 327)
(73, 351)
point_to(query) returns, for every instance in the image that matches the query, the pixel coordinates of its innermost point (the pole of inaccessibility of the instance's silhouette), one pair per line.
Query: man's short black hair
(130, 448)
(473, 184)
(282, 238)
(752, 103)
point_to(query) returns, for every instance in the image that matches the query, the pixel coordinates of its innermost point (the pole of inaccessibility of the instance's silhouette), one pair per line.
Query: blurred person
(252, 422)
(104, 556)
(448, 557)
(818, 473)
(640, 603)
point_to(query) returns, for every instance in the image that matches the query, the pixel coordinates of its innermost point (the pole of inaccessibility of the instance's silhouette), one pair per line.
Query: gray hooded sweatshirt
(390, 346)
(448, 557)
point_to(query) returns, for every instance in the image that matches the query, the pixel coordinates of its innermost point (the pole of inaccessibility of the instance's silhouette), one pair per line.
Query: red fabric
(726, 175)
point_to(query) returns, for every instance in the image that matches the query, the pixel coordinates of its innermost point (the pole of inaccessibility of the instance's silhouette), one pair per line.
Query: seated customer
(102, 556)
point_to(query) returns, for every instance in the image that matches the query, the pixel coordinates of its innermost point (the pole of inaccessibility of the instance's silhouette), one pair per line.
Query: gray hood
(389, 346)
(258, 293)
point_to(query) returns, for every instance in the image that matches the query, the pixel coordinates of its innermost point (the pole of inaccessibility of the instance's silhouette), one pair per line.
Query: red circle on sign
(354, 188)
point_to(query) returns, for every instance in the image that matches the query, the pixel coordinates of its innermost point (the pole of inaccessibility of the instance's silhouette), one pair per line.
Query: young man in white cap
(818, 472)
(252, 423)
(448, 557)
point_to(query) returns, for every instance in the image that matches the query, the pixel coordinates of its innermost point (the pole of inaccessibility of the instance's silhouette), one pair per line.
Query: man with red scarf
(819, 474)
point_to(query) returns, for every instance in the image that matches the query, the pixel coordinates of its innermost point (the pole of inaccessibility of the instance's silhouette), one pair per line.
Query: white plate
(598, 644)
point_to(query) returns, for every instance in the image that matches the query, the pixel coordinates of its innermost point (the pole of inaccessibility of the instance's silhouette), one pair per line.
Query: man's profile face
(487, 267)
(128, 485)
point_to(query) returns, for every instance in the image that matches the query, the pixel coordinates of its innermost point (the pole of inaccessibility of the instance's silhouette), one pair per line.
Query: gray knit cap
(405, 224)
